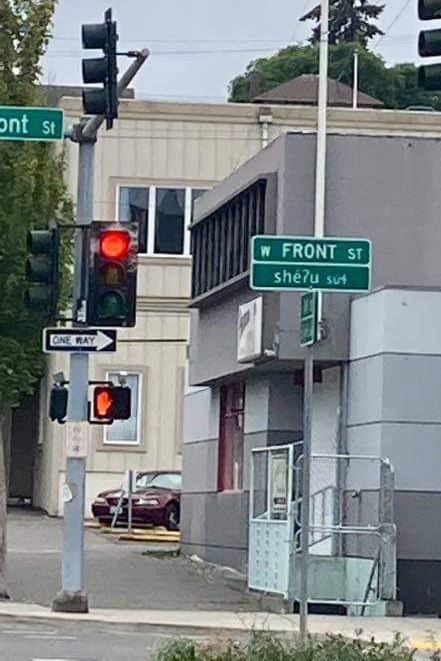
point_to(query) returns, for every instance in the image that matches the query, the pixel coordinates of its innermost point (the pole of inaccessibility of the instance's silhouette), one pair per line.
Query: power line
(392, 41)
(147, 40)
(397, 18)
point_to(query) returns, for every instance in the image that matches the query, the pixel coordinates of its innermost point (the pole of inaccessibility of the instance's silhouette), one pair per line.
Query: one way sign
(79, 340)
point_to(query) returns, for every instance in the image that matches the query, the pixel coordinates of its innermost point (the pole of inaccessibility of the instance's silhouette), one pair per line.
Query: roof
(303, 90)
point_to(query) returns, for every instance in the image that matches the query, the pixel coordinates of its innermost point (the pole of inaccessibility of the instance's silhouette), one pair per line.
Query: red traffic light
(111, 403)
(114, 244)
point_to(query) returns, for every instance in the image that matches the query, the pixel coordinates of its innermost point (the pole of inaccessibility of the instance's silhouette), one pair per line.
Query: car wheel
(171, 517)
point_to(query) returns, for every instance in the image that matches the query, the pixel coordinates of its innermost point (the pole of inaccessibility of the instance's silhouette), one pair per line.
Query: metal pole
(130, 503)
(355, 84)
(320, 179)
(306, 473)
(319, 230)
(72, 597)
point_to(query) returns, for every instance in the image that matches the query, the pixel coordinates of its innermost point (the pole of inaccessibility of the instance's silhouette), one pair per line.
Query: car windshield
(166, 480)
(143, 479)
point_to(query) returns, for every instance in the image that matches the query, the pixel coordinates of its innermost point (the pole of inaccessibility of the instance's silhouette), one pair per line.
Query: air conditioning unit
(249, 331)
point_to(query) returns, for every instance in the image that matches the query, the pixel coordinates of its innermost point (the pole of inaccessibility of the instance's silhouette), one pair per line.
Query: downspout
(265, 119)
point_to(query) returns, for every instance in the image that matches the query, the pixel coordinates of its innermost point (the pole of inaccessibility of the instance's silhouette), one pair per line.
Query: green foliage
(349, 20)
(32, 194)
(266, 648)
(396, 86)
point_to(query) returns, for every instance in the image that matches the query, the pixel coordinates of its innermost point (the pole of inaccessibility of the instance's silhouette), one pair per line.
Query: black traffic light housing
(111, 403)
(58, 399)
(102, 70)
(111, 299)
(42, 271)
(429, 45)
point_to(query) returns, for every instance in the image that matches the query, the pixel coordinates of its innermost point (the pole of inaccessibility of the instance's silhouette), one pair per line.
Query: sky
(226, 35)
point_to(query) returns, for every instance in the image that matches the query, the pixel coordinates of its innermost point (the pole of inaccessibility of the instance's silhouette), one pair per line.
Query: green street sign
(309, 318)
(284, 263)
(31, 123)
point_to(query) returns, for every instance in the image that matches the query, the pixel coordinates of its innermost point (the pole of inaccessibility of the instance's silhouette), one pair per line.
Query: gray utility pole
(73, 598)
(308, 384)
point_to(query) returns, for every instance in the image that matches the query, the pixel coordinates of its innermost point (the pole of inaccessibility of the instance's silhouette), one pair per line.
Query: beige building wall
(170, 144)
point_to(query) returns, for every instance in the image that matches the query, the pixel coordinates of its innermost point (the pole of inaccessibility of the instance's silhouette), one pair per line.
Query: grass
(262, 647)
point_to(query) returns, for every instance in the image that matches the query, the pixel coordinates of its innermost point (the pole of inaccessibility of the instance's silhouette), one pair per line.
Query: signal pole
(72, 597)
(308, 383)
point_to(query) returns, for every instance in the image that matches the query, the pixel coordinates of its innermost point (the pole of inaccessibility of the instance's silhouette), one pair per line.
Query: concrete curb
(421, 633)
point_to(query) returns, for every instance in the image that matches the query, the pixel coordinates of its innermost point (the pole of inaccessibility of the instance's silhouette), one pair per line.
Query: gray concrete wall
(395, 411)
(379, 188)
(215, 524)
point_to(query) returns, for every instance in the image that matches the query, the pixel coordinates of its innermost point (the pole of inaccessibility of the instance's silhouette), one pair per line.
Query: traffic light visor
(429, 9)
(429, 77)
(94, 35)
(95, 70)
(429, 43)
(114, 244)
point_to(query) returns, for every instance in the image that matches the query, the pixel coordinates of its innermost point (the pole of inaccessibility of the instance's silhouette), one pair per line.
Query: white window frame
(152, 212)
(138, 422)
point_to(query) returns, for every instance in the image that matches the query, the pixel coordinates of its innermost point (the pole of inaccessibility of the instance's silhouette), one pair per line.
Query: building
(377, 372)
(303, 90)
(158, 159)
(157, 146)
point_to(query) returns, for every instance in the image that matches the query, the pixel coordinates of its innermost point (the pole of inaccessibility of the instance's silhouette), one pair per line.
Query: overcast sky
(227, 34)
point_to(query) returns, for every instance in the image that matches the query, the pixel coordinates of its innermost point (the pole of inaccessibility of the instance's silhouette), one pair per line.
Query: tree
(396, 86)
(349, 20)
(32, 193)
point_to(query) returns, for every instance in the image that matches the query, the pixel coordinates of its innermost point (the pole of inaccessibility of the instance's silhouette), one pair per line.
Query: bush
(263, 647)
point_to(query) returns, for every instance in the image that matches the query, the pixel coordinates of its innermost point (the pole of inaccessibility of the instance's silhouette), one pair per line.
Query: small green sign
(309, 319)
(283, 263)
(31, 123)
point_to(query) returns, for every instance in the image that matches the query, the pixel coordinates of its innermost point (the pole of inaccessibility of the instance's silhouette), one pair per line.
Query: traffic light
(42, 271)
(58, 403)
(111, 403)
(112, 274)
(429, 45)
(102, 69)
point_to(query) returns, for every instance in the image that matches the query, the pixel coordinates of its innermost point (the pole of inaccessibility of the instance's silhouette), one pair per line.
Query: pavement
(73, 641)
(117, 574)
(132, 592)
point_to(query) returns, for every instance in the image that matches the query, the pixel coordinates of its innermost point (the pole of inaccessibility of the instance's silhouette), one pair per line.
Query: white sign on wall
(77, 439)
(249, 331)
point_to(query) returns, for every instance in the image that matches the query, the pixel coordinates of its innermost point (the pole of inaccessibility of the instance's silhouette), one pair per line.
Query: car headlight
(100, 499)
(147, 501)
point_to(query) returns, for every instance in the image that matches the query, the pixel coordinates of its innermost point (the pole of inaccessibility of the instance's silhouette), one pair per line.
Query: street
(68, 641)
(117, 575)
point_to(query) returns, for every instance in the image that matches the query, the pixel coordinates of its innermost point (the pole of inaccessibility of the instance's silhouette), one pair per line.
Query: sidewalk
(420, 633)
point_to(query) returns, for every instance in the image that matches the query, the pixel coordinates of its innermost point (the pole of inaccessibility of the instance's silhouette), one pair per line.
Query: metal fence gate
(352, 552)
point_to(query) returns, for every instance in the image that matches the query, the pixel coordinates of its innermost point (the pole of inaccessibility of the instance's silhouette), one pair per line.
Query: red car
(156, 500)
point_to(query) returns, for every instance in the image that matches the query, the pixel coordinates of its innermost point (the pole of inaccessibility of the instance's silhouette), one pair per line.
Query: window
(126, 431)
(169, 221)
(166, 481)
(221, 241)
(230, 473)
(163, 215)
(134, 207)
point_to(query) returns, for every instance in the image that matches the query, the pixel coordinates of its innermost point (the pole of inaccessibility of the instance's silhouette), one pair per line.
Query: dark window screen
(170, 221)
(220, 243)
(134, 207)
